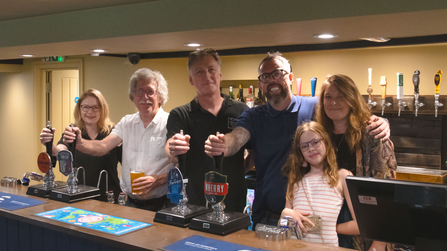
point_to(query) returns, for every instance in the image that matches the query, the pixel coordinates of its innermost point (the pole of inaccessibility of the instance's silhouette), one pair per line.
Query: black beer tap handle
(218, 161)
(49, 145)
(72, 148)
(416, 81)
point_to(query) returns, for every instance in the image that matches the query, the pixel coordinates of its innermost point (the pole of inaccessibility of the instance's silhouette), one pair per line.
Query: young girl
(315, 185)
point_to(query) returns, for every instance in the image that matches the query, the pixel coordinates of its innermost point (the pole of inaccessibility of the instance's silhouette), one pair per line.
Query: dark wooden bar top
(155, 237)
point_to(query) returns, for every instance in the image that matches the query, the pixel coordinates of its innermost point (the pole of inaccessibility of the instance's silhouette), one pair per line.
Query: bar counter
(22, 230)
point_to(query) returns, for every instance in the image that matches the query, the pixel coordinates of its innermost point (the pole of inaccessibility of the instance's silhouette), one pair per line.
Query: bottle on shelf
(249, 100)
(260, 100)
(241, 94)
(231, 92)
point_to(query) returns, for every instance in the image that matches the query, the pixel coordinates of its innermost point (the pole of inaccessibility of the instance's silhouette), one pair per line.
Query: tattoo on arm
(235, 140)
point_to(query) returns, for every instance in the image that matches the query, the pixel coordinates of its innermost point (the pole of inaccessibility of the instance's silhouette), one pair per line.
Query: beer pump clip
(181, 214)
(400, 92)
(437, 91)
(383, 84)
(370, 90)
(216, 189)
(417, 104)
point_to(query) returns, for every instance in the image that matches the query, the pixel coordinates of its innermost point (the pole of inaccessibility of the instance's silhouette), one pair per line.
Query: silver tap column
(383, 83)
(437, 91)
(370, 90)
(417, 104)
(400, 92)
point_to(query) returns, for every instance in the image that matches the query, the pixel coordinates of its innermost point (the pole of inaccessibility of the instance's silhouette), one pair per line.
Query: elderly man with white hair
(143, 135)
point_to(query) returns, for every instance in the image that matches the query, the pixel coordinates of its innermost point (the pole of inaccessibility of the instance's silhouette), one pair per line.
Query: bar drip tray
(84, 193)
(40, 191)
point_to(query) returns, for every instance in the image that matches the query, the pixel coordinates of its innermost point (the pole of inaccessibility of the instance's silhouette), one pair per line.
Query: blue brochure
(13, 202)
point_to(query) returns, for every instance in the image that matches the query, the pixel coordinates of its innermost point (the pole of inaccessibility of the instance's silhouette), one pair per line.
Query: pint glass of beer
(133, 176)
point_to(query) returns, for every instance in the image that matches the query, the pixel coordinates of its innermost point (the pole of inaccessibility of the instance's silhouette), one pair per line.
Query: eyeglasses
(141, 92)
(86, 108)
(276, 74)
(314, 143)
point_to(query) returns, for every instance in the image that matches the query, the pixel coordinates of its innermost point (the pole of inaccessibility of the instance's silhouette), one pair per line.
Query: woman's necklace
(339, 143)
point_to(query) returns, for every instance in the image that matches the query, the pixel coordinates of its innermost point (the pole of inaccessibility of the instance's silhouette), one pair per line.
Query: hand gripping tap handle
(181, 161)
(72, 147)
(218, 161)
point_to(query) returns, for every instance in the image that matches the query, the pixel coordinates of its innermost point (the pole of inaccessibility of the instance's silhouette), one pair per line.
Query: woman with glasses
(92, 118)
(344, 114)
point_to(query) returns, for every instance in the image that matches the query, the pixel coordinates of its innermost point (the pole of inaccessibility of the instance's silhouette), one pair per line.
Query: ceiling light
(376, 39)
(325, 36)
(98, 51)
(192, 44)
(27, 55)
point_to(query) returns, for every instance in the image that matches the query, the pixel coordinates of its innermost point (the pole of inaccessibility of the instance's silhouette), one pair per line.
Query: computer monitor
(400, 212)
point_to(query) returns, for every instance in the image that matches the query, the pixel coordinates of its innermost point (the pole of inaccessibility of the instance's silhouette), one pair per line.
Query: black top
(199, 124)
(93, 165)
(345, 157)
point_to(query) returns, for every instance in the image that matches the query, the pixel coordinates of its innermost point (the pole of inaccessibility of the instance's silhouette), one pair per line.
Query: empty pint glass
(133, 176)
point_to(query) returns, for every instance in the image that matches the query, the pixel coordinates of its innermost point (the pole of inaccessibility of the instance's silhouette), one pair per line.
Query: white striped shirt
(326, 201)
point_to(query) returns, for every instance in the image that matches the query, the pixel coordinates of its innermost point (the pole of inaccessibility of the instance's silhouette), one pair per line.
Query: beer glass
(133, 176)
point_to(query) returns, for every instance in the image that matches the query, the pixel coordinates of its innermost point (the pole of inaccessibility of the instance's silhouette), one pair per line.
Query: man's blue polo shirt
(271, 135)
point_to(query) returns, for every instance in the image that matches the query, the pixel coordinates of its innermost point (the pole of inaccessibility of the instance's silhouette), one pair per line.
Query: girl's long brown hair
(104, 124)
(294, 170)
(359, 112)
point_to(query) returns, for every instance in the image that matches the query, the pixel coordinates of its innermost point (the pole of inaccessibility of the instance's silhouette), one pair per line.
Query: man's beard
(277, 98)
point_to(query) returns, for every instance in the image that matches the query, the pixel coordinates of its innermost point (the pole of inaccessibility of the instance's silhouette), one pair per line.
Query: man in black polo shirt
(209, 112)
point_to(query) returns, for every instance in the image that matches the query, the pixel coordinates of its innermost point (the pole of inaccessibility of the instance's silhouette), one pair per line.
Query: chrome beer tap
(437, 90)
(417, 104)
(383, 91)
(400, 92)
(370, 90)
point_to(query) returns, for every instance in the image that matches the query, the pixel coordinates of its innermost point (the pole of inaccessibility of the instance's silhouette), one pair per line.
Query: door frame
(38, 67)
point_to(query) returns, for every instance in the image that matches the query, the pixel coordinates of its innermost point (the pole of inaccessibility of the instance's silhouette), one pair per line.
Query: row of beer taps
(400, 85)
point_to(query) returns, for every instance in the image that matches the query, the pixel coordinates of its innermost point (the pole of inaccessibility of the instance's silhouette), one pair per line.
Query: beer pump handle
(72, 148)
(416, 81)
(383, 83)
(438, 81)
(218, 161)
(49, 145)
(181, 161)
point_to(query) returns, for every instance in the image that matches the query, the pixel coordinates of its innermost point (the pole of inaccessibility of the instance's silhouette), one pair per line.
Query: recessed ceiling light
(98, 50)
(325, 36)
(27, 55)
(376, 39)
(192, 44)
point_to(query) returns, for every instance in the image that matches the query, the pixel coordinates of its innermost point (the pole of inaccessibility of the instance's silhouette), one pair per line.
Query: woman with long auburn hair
(92, 117)
(344, 114)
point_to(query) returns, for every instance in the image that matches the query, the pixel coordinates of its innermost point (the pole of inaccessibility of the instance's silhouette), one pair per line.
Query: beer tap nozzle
(400, 92)
(437, 91)
(370, 90)
(417, 104)
(383, 83)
